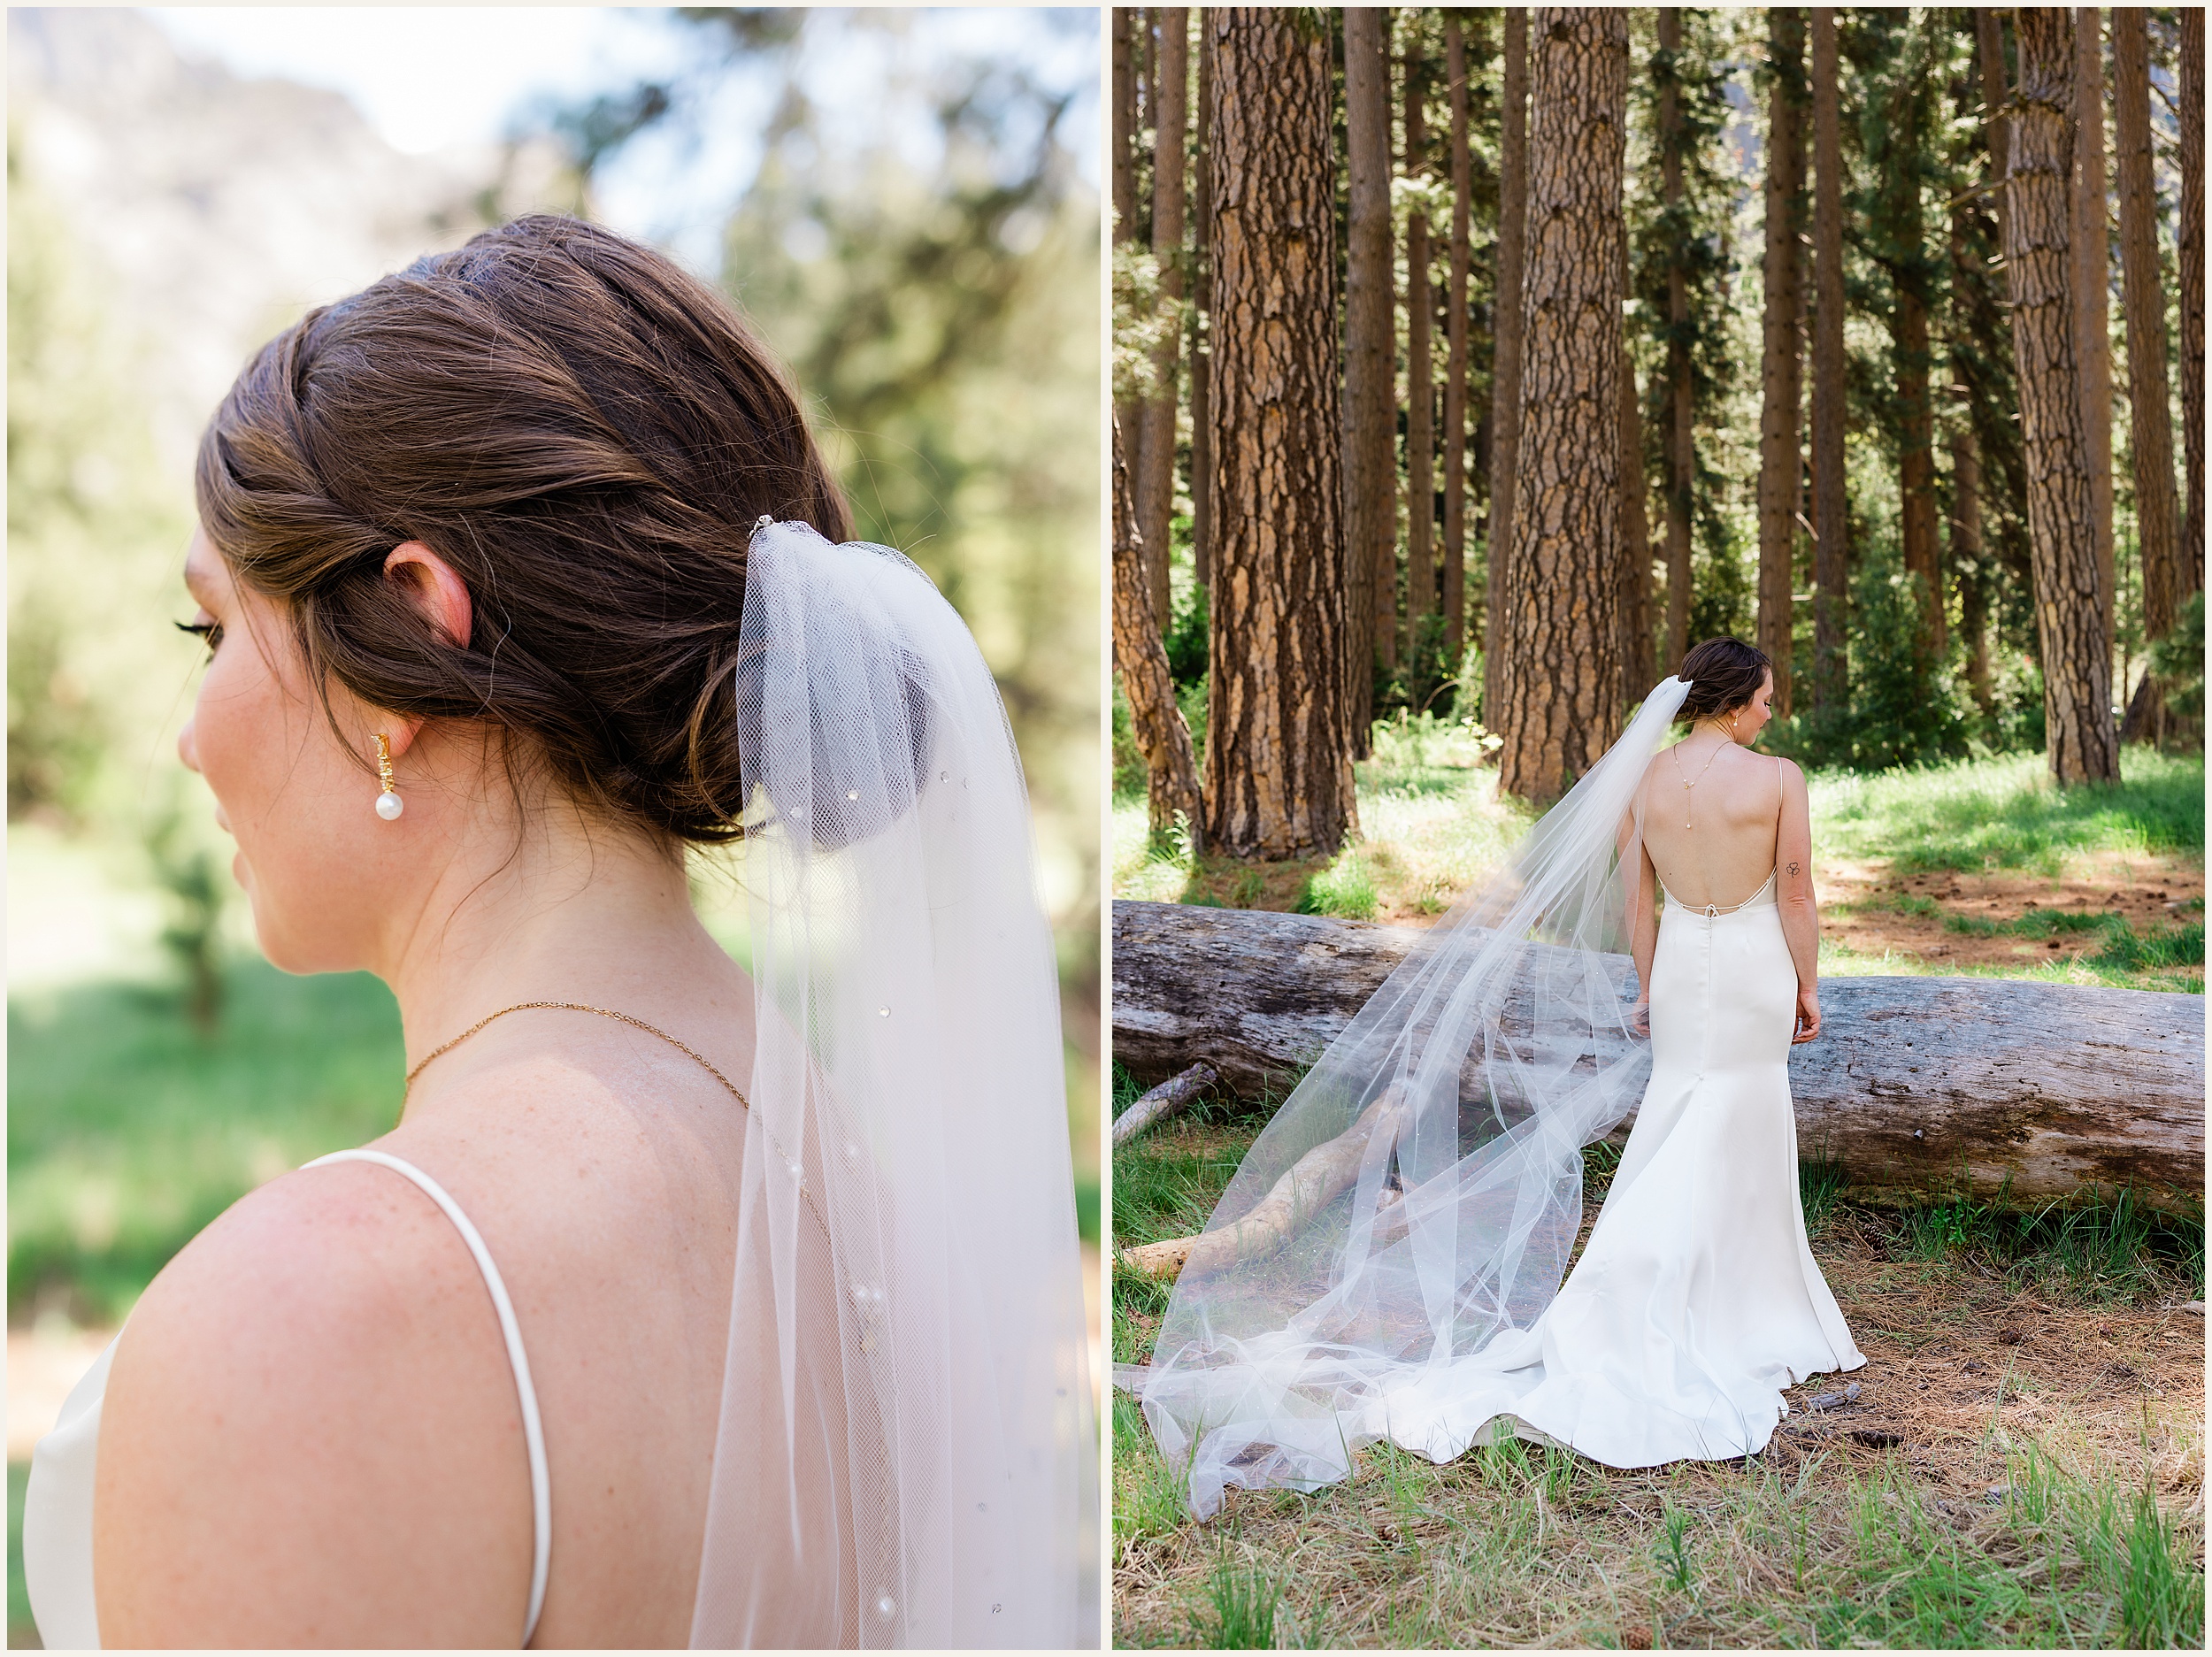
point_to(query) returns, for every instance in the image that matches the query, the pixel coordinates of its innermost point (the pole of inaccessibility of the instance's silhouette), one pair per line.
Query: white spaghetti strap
(533, 1432)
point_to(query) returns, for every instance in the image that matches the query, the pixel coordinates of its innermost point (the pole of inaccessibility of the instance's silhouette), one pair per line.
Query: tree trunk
(1505, 395)
(2150, 435)
(1781, 379)
(1637, 672)
(1156, 481)
(2081, 741)
(1830, 534)
(1916, 467)
(1202, 436)
(1278, 760)
(1370, 417)
(1127, 22)
(1989, 41)
(1455, 360)
(1914, 1083)
(2092, 276)
(2189, 266)
(1966, 555)
(1681, 411)
(1420, 389)
(1562, 680)
(1170, 771)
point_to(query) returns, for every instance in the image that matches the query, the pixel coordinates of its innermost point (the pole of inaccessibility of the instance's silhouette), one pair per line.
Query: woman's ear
(432, 588)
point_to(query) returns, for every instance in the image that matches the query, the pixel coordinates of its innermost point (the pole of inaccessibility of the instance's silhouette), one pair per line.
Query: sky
(431, 77)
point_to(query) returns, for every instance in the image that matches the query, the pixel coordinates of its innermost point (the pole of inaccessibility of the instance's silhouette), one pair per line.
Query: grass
(2030, 1354)
(127, 1132)
(2003, 813)
(22, 1633)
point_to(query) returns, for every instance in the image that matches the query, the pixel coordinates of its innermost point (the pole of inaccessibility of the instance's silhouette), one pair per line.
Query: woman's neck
(564, 910)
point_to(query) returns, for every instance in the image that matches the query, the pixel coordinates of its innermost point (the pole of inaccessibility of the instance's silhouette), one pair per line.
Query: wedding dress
(57, 1500)
(1422, 1303)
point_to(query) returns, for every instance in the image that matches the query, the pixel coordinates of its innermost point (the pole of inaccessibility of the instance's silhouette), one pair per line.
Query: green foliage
(2005, 813)
(1345, 889)
(2108, 1247)
(1904, 703)
(1239, 1612)
(1186, 637)
(128, 1131)
(2178, 659)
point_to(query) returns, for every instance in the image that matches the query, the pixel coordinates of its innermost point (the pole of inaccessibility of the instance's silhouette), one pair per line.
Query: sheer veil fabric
(1440, 1220)
(906, 1455)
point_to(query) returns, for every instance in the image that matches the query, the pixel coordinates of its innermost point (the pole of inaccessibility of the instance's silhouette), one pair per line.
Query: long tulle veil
(907, 1455)
(1419, 1192)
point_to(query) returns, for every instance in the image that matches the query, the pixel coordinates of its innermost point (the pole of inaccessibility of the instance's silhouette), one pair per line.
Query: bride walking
(689, 1302)
(1421, 1300)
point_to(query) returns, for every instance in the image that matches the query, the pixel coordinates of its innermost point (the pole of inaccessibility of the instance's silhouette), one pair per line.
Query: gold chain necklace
(798, 1169)
(1686, 787)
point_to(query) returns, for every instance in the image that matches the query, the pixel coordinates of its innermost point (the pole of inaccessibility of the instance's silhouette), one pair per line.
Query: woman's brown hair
(587, 435)
(1724, 674)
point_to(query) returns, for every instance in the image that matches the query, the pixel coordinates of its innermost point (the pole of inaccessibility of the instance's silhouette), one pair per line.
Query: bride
(688, 1301)
(1386, 1263)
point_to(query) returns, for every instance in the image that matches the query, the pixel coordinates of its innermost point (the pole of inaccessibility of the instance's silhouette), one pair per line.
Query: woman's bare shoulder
(233, 1510)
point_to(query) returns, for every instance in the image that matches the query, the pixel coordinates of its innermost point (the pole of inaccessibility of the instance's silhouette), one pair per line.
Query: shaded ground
(2023, 1466)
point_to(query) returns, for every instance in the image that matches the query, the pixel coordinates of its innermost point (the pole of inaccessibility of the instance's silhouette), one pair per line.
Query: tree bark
(1201, 348)
(1915, 1082)
(1456, 360)
(1420, 387)
(1170, 771)
(2150, 423)
(1637, 674)
(1916, 467)
(1163, 1101)
(1563, 678)
(2189, 266)
(1966, 553)
(1781, 378)
(1278, 760)
(1156, 482)
(2081, 741)
(1830, 534)
(1681, 411)
(1369, 355)
(1505, 395)
(1127, 22)
(2092, 276)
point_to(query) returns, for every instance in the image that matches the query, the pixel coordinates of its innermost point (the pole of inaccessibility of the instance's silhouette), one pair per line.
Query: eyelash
(209, 633)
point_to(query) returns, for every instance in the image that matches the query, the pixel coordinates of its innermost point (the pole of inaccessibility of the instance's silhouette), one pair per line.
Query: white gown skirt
(1696, 1299)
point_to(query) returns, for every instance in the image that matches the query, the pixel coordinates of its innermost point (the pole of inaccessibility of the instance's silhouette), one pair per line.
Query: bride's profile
(1653, 943)
(688, 1301)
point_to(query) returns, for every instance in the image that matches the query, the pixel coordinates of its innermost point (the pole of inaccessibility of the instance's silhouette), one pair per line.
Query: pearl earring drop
(389, 804)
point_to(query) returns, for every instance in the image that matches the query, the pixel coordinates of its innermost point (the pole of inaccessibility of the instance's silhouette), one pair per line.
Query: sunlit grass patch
(2005, 813)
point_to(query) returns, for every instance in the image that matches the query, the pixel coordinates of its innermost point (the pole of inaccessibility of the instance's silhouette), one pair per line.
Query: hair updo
(1724, 675)
(587, 435)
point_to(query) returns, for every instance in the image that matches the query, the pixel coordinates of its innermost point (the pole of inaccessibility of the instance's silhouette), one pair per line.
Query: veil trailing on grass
(1418, 1195)
(906, 1454)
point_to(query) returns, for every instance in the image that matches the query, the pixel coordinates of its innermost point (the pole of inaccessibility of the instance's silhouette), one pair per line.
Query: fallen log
(1313, 1181)
(1163, 1102)
(1917, 1088)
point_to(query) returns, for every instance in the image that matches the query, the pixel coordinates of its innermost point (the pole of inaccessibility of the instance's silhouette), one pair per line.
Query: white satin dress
(1696, 1299)
(65, 1464)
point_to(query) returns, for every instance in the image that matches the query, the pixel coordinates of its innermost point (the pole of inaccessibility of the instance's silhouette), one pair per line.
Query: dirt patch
(1870, 911)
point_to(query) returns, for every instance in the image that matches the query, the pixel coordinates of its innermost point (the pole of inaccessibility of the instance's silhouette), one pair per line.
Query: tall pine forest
(1475, 362)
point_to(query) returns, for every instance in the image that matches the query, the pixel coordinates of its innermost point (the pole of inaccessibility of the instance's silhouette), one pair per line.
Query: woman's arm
(1642, 881)
(310, 1435)
(1794, 892)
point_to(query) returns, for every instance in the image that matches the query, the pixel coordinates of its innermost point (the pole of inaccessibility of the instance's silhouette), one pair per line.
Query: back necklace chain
(798, 1169)
(1686, 787)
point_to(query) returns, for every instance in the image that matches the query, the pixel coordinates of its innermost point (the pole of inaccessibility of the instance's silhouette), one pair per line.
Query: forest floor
(2024, 1467)
(1976, 868)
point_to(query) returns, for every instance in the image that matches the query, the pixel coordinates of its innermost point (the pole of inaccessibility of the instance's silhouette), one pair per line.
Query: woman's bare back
(1714, 841)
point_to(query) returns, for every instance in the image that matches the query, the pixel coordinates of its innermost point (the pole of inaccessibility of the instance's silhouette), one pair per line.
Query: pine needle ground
(2023, 1468)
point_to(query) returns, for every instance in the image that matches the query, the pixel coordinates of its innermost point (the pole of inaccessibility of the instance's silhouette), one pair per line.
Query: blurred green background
(904, 202)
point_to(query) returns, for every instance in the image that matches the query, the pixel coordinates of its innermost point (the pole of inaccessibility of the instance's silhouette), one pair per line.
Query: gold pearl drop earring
(389, 804)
